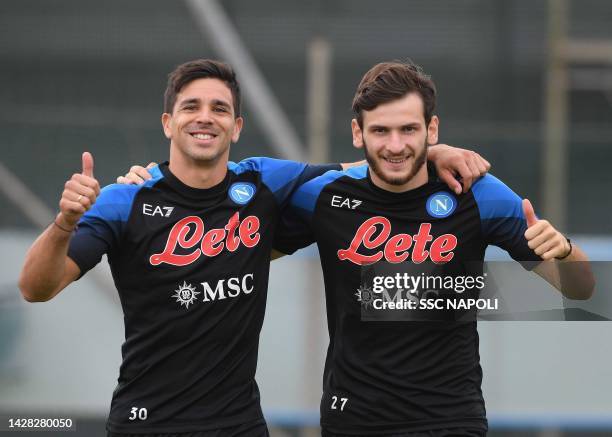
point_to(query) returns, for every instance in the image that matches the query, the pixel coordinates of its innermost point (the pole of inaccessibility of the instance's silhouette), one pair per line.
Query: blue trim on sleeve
(156, 175)
(501, 210)
(502, 219)
(495, 199)
(100, 229)
(114, 203)
(305, 198)
(232, 166)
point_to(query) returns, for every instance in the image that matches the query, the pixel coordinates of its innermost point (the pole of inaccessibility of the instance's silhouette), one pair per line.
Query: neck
(419, 179)
(197, 174)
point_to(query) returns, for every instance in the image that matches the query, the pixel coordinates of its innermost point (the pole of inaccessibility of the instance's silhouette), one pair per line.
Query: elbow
(26, 293)
(29, 293)
(33, 297)
(30, 297)
(585, 292)
(589, 290)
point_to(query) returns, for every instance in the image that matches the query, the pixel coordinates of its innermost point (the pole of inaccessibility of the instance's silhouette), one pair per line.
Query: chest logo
(441, 204)
(242, 192)
(156, 210)
(222, 289)
(365, 296)
(373, 242)
(345, 202)
(187, 240)
(185, 294)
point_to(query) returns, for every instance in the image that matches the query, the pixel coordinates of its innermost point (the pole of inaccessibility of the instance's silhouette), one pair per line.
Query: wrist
(63, 223)
(568, 252)
(432, 152)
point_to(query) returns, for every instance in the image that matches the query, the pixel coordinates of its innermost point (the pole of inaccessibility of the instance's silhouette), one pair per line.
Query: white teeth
(395, 161)
(203, 136)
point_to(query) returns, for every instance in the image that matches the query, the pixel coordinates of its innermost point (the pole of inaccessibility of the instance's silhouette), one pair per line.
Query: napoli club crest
(242, 192)
(441, 204)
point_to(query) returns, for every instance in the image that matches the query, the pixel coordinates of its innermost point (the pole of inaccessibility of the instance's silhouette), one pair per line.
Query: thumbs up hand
(80, 193)
(542, 237)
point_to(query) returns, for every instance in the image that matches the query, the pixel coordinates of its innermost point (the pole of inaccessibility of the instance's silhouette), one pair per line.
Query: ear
(432, 130)
(237, 129)
(357, 134)
(166, 120)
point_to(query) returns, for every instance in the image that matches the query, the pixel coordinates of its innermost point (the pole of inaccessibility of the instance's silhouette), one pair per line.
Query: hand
(137, 175)
(542, 237)
(453, 161)
(80, 193)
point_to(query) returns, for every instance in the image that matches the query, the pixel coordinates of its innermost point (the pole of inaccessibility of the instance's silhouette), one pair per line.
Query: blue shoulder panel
(495, 199)
(275, 173)
(100, 229)
(305, 197)
(502, 218)
(282, 177)
(114, 203)
(156, 175)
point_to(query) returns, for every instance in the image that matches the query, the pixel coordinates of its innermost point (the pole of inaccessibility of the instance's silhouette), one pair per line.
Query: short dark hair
(200, 69)
(390, 81)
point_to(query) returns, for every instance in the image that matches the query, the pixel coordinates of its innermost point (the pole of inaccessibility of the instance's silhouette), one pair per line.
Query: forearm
(44, 267)
(566, 267)
(47, 268)
(433, 152)
(575, 275)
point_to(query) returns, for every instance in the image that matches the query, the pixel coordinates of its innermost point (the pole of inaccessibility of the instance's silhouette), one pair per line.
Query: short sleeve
(294, 232)
(296, 229)
(502, 219)
(100, 229)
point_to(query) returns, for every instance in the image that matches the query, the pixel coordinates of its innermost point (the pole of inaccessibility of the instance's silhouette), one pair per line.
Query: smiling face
(202, 124)
(395, 138)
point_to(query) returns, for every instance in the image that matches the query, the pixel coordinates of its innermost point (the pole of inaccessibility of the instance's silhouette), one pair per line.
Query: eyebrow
(189, 102)
(223, 103)
(195, 100)
(380, 126)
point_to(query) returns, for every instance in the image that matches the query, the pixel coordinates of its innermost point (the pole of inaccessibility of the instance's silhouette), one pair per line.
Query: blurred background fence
(526, 84)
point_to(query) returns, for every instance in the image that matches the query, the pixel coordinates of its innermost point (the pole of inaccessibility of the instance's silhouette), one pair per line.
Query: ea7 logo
(344, 202)
(162, 211)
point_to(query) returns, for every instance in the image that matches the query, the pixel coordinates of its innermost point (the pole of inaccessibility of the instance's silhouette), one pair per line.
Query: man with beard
(406, 377)
(189, 251)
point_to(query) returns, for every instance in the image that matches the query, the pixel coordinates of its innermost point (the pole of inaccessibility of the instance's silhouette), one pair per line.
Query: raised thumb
(529, 213)
(88, 164)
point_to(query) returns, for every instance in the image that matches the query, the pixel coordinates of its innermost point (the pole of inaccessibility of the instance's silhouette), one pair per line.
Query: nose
(396, 144)
(204, 116)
